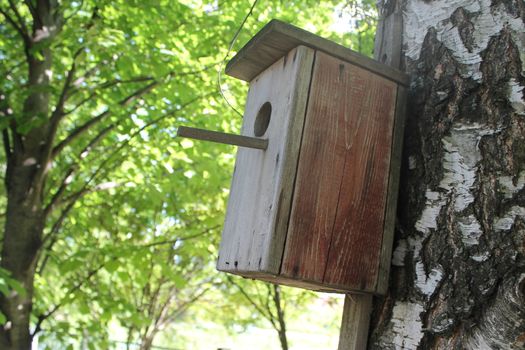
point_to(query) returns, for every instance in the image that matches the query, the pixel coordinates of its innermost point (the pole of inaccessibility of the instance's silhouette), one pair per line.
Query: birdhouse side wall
(337, 222)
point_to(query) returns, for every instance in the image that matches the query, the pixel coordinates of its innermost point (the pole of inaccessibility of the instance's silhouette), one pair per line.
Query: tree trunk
(146, 341)
(458, 274)
(27, 162)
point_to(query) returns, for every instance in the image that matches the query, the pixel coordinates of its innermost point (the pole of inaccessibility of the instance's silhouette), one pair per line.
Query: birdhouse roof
(277, 38)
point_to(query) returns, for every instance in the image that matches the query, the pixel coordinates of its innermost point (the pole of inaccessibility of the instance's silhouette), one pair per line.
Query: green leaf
(112, 265)
(17, 286)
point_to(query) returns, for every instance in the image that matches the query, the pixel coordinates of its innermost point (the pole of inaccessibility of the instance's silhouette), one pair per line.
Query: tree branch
(56, 117)
(93, 121)
(5, 138)
(105, 86)
(59, 193)
(53, 235)
(138, 79)
(18, 29)
(71, 200)
(249, 299)
(32, 9)
(85, 189)
(76, 287)
(75, 12)
(278, 306)
(180, 239)
(15, 66)
(72, 168)
(59, 108)
(23, 26)
(132, 136)
(111, 83)
(77, 132)
(80, 104)
(268, 295)
(183, 307)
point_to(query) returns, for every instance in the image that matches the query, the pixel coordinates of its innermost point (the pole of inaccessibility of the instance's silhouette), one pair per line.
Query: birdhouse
(314, 206)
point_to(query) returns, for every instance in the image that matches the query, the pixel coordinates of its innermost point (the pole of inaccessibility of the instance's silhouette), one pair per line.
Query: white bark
(459, 265)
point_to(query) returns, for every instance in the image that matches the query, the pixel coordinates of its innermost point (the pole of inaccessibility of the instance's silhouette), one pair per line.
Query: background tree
(94, 180)
(458, 273)
(270, 302)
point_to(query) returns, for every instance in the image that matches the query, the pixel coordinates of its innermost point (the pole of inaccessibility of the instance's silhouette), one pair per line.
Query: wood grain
(319, 173)
(388, 41)
(262, 184)
(354, 326)
(277, 38)
(387, 50)
(221, 137)
(393, 190)
(336, 223)
(357, 237)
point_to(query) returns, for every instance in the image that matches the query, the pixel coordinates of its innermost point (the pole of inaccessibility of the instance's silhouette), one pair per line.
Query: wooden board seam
(298, 157)
(392, 152)
(391, 204)
(302, 83)
(305, 283)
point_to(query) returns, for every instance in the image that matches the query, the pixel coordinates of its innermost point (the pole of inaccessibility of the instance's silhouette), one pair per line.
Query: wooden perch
(220, 137)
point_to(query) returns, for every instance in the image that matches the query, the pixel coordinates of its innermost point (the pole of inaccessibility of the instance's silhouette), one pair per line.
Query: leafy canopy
(135, 214)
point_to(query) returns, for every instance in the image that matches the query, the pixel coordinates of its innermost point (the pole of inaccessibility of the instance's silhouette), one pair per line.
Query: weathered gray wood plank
(388, 45)
(221, 137)
(262, 185)
(354, 326)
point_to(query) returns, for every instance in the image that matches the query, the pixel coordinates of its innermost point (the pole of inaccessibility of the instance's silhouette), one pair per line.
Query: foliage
(8, 285)
(269, 302)
(362, 19)
(133, 214)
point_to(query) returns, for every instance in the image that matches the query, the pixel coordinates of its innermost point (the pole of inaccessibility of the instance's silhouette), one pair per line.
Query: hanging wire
(232, 42)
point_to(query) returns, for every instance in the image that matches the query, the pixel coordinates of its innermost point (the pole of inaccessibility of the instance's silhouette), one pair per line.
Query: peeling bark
(458, 274)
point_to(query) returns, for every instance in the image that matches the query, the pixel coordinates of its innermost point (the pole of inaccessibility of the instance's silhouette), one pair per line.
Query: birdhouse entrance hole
(263, 119)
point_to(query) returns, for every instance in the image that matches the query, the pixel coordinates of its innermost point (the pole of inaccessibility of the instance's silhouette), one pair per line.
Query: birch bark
(458, 266)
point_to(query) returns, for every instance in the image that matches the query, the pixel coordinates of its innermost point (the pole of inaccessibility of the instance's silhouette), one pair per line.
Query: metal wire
(232, 42)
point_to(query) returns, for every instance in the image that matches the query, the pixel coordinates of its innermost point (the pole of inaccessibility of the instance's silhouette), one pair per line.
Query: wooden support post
(356, 317)
(354, 330)
(220, 137)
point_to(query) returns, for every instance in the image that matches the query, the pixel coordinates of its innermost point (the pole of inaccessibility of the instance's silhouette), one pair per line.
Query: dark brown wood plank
(357, 237)
(277, 38)
(319, 174)
(387, 50)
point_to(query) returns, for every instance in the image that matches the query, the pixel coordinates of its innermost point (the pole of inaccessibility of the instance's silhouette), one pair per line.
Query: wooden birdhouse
(316, 208)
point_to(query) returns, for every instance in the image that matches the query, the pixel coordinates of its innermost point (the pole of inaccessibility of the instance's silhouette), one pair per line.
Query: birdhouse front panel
(262, 185)
(316, 208)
